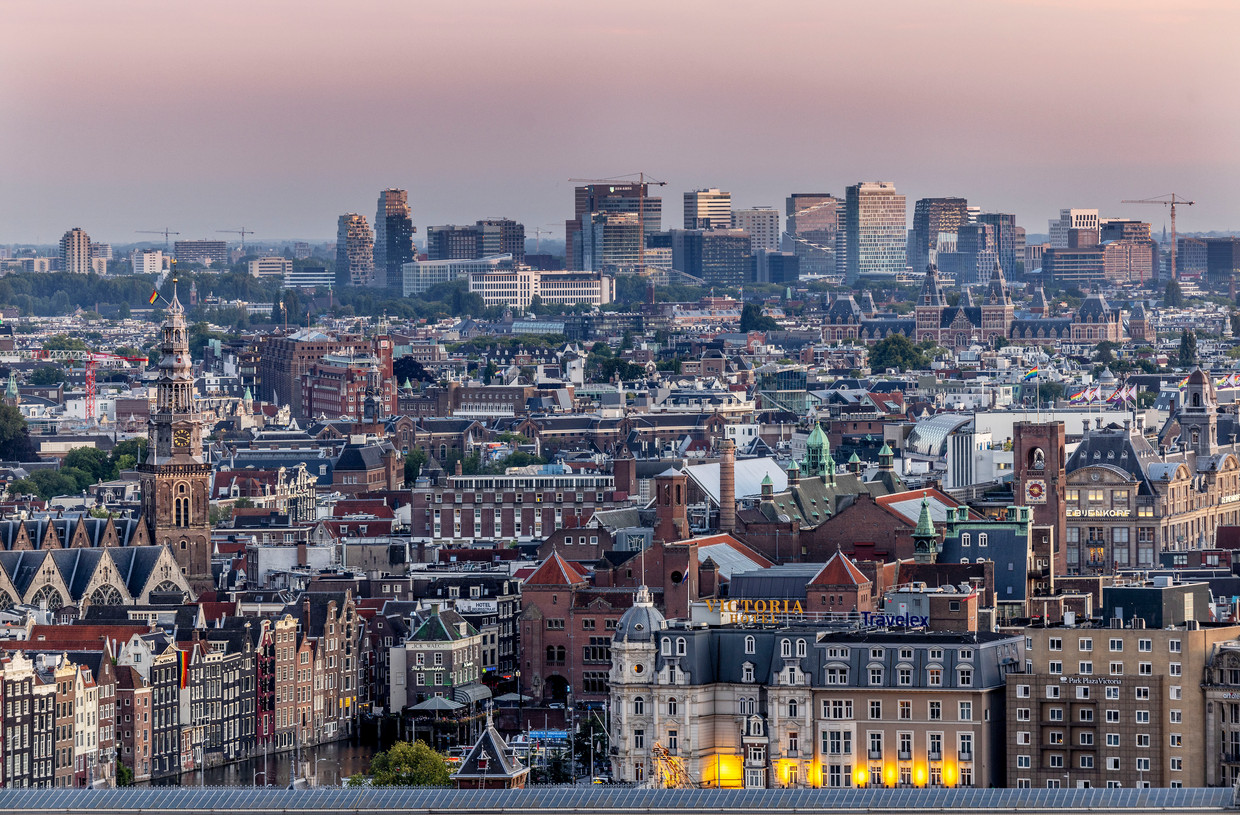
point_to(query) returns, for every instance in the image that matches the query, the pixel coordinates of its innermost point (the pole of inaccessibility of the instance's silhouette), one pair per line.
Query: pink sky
(280, 115)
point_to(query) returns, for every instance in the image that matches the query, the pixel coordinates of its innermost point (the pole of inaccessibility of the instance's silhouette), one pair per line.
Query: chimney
(727, 487)
(460, 470)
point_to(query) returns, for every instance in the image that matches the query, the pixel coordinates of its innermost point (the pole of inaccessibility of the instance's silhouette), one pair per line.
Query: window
(1085, 644)
(1113, 740)
(1145, 668)
(1087, 714)
(1022, 691)
(801, 648)
(1055, 714)
(639, 706)
(934, 677)
(1112, 716)
(794, 708)
(876, 709)
(1175, 669)
(1143, 765)
(673, 707)
(1142, 693)
(1022, 714)
(1177, 764)
(876, 676)
(1173, 646)
(966, 711)
(904, 676)
(1117, 669)
(1087, 762)
(936, 711)
(747, 672)
(639, 739)
(1145, 646)
(1052, 691)
(1176, 740)
(965, 677)
(1055, 667)
(1117, 645)
(1085, 668)
(750, 645)
(1055, 760)
(1023, 762)
(1143, 717)
(906, 710)
(1087, 739)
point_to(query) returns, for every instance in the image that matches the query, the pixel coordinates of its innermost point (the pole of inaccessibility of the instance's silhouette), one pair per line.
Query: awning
(471, 694)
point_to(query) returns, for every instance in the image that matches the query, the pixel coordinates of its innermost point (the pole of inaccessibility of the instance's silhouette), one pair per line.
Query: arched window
(673, 707)
(180, 506)
(106, 596)
(551, 653)
(680, 646)
(560, 653)
(1196, 399)
(48, 598)
(965, 539)
(981, 539)
(751, 645)
(801, 648)
(639, 706)
(793, 708)
(785, 648)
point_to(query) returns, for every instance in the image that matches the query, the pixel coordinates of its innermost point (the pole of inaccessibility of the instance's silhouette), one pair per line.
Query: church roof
(931, 293)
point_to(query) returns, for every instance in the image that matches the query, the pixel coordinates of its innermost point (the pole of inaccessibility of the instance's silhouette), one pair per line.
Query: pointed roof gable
(490, 758)
(839, 571)
(931, 293)
(555, 571)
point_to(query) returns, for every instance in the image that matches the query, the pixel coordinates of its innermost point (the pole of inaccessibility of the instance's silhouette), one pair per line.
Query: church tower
(928, 311)
(175, 475)
(1198, 415)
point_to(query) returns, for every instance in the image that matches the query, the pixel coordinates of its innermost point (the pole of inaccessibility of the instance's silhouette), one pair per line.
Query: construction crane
(165, 232)
(668, 771)
(242, 232)
(538, 233)
(642, 182)
(90, 359)
(1172, 200)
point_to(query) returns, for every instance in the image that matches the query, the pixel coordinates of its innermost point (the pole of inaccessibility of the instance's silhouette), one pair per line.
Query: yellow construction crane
(668, 771)
(642, 183)
(1172, 200)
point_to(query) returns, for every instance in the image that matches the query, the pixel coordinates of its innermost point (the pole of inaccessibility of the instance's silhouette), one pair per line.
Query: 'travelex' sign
(894, 620)
(757, 611)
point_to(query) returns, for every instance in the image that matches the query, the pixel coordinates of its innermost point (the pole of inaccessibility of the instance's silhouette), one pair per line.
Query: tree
(1104, 353)
(896, 351)
(277, 310)
(1173, 296)
(407, 765)
(15, 443)
(46, 376)
(124, 775)
(63, 342)
(91, 460)
(408, 368)
(1050, 391)
(414, 462)
(1188, 347)
(752, 319)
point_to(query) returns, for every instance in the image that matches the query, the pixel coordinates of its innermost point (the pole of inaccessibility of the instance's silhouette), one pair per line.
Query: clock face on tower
(180, 438)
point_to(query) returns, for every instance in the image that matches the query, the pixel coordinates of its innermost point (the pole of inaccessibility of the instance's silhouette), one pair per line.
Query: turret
(925, 539)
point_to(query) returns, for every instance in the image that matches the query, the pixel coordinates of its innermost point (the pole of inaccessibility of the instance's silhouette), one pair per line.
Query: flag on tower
(154, 296)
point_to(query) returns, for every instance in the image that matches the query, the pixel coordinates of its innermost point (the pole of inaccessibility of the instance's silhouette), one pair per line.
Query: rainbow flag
(1031, 374)
(1079, 396)
(154, 296)
(1183, 383)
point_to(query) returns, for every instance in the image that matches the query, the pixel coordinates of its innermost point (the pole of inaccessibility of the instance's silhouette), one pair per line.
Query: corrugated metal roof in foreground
(602, 799)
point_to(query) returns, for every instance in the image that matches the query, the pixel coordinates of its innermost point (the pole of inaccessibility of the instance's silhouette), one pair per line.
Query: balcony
(905, 755)
(935, 755)
(965, 755)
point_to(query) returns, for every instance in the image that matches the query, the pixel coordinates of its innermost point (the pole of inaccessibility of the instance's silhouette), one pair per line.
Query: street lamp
(257, 773)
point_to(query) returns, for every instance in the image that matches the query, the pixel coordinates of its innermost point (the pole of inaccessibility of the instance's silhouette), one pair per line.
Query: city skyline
(1004, 104)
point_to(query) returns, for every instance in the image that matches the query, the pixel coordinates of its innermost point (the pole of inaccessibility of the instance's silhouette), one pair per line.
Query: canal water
(335, 763)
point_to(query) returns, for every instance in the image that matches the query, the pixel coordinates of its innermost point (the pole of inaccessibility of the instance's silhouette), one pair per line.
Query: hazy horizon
(281, 116)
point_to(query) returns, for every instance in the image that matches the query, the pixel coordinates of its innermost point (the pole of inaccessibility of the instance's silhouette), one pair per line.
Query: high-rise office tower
(811, 230)
(721, 257)
(708, 209)
(762, 224)
(933, 217)
(498, 236)
(502, 236)
(610, 241)
(1069, 219)
(1003, 227)
(75, 252)
(876, 230)
(605, 197)
(355, 251)
(393, 237)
